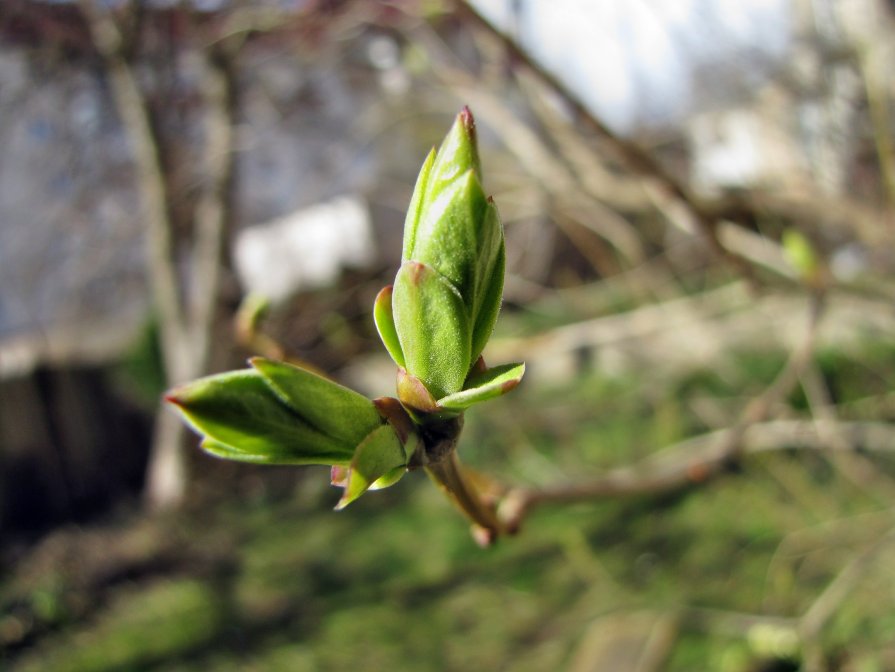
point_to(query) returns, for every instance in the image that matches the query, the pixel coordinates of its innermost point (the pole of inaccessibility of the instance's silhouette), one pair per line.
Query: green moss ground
(258, 576)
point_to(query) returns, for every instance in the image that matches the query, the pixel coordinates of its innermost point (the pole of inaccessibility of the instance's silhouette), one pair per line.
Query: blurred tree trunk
(185, 304)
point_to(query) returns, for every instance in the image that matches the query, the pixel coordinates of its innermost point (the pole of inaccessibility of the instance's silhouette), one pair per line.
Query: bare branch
(134, 112)
(692, 461)
(665, 186)
(214, 211)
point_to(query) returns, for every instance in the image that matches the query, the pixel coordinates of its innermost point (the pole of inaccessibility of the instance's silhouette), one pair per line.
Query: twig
(214, 211)
(693, 461)
(532, 153)
(871, 66)
(628, 153)
(133, 108)
(457, 482)
(185, 325)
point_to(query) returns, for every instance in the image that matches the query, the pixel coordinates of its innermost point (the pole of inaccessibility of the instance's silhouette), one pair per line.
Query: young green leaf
(456, 236)
(433, 328)
(491, 297)
(334, 410)
(240, 413)
(483, 386)
(385, 324)
(416, 203)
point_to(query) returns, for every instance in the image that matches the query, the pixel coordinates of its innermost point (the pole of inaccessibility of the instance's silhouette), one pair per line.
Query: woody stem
(451, 477)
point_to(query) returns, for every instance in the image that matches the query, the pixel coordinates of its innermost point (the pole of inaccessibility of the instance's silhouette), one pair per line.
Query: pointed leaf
(492, 296)
(483, 386)
(380, 453)
(276, 455)
(333, 409)
(412, 219)
(240, 412)
(457, 154)
(389, 479)
(433, 328)
(385, 324)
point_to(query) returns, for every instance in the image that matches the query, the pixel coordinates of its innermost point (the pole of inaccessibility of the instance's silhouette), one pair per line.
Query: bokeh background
(699, 205)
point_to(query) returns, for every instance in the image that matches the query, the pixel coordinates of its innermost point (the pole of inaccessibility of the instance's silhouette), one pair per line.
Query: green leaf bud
(440, 313)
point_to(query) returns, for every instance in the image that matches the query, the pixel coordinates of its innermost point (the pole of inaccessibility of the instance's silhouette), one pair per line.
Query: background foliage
(704, 436)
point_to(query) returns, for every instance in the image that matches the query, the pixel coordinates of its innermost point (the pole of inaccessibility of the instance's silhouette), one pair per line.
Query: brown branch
(873, 66)
(693, 461)
(696, 460)
(458, 483)
(185, 325)
(628, 153)
(530, 150)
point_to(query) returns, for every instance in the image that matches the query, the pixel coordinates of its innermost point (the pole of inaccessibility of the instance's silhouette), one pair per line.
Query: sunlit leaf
(378, 455)
(240, 413)
(433, 328)
(483, 386)
(385, 324)
(333, 409)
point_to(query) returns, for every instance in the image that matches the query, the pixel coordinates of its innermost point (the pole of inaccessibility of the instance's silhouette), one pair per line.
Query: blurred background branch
(721, 454)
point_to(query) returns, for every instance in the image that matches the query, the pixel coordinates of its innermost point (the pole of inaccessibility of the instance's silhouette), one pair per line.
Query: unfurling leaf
(335, 410)
(379, 455)
(241, 417)
(483, 386)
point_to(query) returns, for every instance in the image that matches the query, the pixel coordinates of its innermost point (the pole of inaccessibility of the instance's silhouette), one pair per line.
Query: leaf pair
(276, 413)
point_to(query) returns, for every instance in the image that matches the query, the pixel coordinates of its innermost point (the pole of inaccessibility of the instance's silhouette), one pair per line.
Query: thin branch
(133, 109)
(632, 156)
(873, 69)
(214, 211)
(696, 460)
(458, 483)
(693, 461)
(532, 153)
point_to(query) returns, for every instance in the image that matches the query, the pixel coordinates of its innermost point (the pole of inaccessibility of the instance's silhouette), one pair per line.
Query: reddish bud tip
(509, 385)
(416, 272)
(338, 476)
(414, 394)
(468, 121)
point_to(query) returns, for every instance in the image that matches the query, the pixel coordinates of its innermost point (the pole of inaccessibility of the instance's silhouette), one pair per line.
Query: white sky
(633, 62)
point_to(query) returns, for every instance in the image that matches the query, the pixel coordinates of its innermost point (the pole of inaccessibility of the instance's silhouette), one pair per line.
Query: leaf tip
(384, 293)
(468, 121)
(338, 476)
(509, 385)
(175, 397)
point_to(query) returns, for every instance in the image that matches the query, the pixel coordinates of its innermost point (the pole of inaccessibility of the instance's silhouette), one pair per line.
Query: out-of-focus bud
(438, 316)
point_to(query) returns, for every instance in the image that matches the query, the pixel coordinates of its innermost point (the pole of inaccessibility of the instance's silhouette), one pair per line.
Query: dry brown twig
(693, 461)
